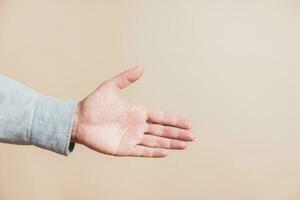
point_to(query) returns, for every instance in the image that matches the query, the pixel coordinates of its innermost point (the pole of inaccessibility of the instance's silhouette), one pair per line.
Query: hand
(109, 124)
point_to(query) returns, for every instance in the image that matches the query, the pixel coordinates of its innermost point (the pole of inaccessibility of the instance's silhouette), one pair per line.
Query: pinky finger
(143, 151)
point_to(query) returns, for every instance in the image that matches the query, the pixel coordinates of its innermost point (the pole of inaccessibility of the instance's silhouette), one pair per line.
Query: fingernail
(138, 67)
(192, 137)
(183, 145)
(189, 125)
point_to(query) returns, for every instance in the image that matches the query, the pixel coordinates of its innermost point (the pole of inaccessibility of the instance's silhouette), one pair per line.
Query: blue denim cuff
(52, 124)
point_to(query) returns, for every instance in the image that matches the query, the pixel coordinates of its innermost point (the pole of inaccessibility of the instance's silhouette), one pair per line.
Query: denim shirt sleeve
(30, 118)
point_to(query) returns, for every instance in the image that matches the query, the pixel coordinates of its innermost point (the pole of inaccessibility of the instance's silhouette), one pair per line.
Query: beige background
(233, 67)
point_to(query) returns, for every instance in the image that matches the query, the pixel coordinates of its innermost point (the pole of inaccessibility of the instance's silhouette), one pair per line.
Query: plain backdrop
(232, 67)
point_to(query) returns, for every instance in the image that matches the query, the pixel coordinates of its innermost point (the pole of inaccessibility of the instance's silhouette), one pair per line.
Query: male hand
(109, 124)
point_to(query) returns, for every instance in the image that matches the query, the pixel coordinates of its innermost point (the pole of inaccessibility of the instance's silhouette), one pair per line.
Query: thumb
(127, 77)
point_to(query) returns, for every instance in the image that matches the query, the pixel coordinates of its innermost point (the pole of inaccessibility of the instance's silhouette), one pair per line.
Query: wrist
(75, 124)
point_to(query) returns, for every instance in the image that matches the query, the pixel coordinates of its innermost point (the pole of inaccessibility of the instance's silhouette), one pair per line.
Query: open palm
(109, 124)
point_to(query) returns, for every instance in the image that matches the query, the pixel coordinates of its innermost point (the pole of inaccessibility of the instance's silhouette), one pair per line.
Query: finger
(127, 77)
(160, 142)
(143, 151)
(160, 117)
(170, 132)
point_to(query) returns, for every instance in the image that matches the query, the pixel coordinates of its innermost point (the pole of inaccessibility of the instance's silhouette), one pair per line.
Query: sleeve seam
(33, 117)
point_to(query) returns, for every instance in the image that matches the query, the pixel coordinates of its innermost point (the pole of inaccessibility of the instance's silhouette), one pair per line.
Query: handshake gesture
(109, 124)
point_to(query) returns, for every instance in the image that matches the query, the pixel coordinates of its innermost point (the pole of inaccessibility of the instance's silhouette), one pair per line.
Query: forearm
(27, 117)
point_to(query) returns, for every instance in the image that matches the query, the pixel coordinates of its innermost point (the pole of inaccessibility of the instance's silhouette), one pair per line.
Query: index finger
(160, 117)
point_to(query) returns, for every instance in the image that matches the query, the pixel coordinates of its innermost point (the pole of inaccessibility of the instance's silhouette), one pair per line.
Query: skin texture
(109, 124)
